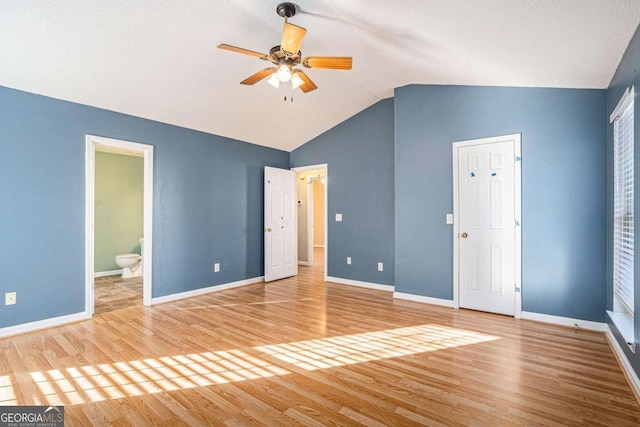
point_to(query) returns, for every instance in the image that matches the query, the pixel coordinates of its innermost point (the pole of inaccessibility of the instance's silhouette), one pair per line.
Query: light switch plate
(216, 267)
(380, 266)
(338, 217)
(449, 218)
(349, 260)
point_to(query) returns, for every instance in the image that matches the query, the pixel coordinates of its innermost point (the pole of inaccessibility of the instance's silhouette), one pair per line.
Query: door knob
(268, 230)
(464, 235)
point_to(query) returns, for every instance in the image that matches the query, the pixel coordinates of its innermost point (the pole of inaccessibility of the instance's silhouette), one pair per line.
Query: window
(623, 231)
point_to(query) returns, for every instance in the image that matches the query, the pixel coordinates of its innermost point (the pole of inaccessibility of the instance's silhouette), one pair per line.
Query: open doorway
(118, 241)
(312, 190)
(119, 192)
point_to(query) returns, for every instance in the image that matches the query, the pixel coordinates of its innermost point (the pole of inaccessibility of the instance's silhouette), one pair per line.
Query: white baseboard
(41, 324)
(627, 369)
(318, 246)
(376, 286)
(107, 273)
(202, 291)
(564, 321)
(304, 263)
(423, 299)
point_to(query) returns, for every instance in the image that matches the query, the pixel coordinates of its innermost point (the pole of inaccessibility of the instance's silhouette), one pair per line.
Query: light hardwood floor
(301, 351)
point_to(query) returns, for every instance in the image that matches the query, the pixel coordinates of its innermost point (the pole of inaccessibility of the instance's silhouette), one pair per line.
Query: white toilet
(131, 264)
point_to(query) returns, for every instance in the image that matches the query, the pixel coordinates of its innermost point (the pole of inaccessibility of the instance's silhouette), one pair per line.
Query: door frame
(311, 214)
(517, 176)
(90, 195)
(325, 168)
(309, 248)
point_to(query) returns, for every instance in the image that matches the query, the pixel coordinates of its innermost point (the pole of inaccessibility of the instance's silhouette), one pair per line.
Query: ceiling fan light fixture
(284, 73)
(274, 81)
(287, 55)
(296, 80)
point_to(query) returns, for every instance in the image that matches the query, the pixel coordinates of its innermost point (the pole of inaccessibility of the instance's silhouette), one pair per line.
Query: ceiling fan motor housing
(277, 52)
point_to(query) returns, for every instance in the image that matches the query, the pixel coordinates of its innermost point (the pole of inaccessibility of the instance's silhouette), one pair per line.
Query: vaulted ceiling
(158, 59)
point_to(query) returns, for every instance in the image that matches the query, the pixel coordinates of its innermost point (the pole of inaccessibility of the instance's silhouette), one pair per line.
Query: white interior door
(280, 224)
(486, 226)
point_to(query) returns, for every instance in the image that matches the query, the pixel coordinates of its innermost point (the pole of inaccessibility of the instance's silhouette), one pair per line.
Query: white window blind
(623, 233)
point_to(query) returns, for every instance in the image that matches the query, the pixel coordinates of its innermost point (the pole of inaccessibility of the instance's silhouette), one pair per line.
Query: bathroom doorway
(312, 186)
(119, 196)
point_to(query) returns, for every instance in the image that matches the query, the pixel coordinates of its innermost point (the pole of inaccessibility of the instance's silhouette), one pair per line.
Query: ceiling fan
(287, 55)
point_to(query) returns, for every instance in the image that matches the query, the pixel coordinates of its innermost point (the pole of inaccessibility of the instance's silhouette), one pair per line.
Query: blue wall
(359, 154)
(563, 189)
(208, 203)
(626, 75)
(390, 175)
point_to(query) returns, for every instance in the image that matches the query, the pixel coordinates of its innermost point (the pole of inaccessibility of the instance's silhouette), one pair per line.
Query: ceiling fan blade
(308, 85)
(241, 50)
(331, 62)
(255, 78)
(292, 37)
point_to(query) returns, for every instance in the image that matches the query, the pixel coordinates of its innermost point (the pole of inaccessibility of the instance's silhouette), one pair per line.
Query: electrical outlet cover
(9, 298)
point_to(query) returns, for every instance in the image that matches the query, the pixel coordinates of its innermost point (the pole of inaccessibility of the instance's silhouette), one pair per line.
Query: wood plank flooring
(304, 352)
(115, 293)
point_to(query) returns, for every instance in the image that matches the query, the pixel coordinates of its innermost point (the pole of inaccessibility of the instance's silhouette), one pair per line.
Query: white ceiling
(158, 59)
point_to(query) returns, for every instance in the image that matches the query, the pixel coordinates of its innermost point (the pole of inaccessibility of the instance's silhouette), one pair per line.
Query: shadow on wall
(255, 223)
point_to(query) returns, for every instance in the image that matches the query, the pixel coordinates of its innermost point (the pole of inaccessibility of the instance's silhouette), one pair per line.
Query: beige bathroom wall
(118, 209)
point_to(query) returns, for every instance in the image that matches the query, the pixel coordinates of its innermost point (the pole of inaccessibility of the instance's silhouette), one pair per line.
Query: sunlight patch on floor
(343, 350)
(7, 394)
(138, 377)
(95, 383)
